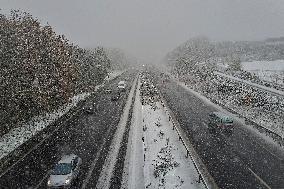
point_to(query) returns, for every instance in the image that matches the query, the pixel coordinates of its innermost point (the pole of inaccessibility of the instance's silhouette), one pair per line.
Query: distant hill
(201, 49)
(275, 39)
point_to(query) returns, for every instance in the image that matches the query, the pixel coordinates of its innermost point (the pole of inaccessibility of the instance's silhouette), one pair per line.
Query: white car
(122, 85)
(65, 172)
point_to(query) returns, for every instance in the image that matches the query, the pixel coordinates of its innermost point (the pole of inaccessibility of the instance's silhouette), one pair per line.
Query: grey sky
(149, 29)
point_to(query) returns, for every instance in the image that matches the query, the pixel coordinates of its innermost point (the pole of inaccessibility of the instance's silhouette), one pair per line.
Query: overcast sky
(149, 29)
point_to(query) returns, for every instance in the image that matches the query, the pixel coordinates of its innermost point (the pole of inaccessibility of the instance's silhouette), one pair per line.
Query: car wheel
(211, 130)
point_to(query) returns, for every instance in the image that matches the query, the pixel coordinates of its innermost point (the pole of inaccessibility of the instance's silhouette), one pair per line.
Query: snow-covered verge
(155, 157)
(19, 135)
(261, 107)
(272, 90)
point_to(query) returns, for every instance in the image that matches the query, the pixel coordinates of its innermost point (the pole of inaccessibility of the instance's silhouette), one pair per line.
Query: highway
(83, 134)
(240, 160)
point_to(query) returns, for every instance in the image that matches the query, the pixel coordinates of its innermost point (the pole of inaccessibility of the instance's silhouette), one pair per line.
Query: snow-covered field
(276, 65)
(271, 71)
(21, 134)
(155, 157)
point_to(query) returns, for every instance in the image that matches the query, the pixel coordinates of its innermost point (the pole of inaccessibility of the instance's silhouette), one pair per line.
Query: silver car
(65, 172)
(122, 85)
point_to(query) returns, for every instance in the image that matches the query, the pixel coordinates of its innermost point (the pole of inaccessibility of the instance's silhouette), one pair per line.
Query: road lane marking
(56, 129)
(41, 181)
(108, 169)
(258, 178)
(204, 124)
(93, 165)
(37, 145)
(269, 152)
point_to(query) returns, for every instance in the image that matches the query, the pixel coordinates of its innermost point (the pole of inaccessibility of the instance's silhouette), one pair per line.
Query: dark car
(115, 96)
(91, 108)
(108, 91)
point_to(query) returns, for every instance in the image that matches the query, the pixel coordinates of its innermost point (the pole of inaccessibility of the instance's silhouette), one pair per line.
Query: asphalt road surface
(241, 160)
(83, 134)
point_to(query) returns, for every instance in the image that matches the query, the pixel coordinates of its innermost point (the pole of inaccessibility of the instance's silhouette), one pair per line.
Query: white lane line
(133, 176)
(36, 146)
(86, 181)
(41, 181)
(93, 165)
(277, 157)
(258, 178)
(206, 100)
(204, 124)
(106, 174)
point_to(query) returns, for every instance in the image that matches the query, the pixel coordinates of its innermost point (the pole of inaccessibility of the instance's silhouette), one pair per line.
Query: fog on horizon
(149, 29)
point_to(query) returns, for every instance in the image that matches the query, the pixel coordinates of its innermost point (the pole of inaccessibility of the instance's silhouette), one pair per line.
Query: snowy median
(156, 158)
(166, 164)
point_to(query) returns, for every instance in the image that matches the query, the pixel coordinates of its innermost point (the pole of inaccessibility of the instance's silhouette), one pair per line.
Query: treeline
(201, 50)
(40, 70)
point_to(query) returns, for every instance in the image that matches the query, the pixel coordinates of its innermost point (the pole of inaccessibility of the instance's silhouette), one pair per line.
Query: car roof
(222, 115)
(121, 82)
(67, 158)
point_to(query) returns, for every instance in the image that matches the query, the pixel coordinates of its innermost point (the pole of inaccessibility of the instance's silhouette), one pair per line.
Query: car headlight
(49, 182)
(67, 181)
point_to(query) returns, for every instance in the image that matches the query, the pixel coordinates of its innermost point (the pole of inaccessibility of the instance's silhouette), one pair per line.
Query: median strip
(109, 165)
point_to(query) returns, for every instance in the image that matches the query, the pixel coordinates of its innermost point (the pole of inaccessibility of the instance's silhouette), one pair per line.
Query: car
(65, 172)
(219, 121)
(121, 85)
(91, 108)
(115, 96)
(108, 91)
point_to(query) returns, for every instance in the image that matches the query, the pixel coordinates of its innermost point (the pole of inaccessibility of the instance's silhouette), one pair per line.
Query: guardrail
(204, 175)
(274, 135)
(261, 87)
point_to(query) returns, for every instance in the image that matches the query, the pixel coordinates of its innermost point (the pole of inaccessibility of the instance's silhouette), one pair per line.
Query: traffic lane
(267, 164)
(34, 167)
(107, 119)
(87, 134)
(256, 154)
(224, 165)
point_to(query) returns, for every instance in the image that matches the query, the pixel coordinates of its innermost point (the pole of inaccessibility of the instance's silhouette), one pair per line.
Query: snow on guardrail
(267, 89)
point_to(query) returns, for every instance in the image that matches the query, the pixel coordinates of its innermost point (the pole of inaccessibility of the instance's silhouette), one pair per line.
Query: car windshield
(228, 120)
(62, 169)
